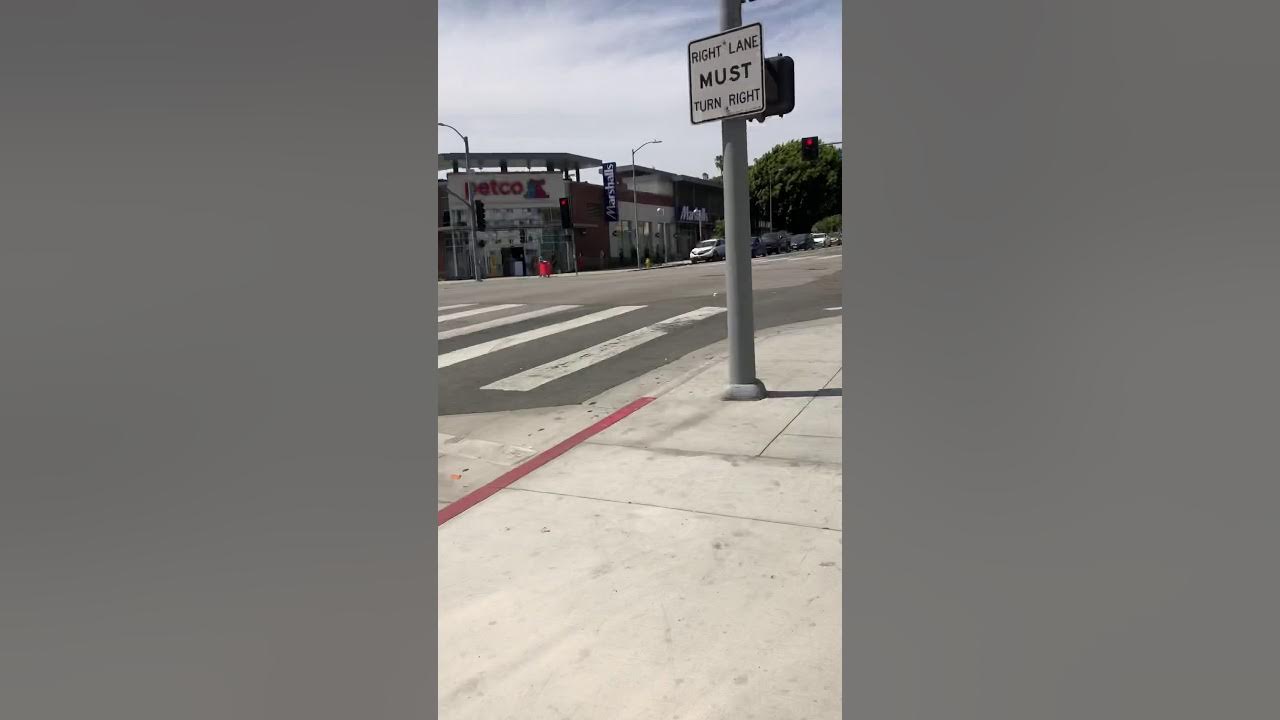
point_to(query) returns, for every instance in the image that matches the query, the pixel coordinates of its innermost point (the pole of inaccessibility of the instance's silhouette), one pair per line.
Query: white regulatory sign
(726, 75)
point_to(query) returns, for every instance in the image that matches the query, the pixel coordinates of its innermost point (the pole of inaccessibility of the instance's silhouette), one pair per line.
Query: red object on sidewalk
(461, 505)
(544, 268)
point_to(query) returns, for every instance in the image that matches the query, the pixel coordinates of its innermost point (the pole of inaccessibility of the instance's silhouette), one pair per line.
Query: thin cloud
(598, 79)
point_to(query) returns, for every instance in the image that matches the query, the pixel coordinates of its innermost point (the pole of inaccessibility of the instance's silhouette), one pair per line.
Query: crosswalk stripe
(545, 373)
(484, 348)
(451, 307)
(508, 320)
(477, 311)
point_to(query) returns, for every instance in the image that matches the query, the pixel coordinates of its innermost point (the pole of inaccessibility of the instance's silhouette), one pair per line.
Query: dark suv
(774, 243)
(802, 241)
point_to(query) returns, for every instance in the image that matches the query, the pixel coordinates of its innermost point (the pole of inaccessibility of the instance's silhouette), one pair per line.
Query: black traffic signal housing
(779, 86)
(809, 148)
(480, 221)
(566, 221)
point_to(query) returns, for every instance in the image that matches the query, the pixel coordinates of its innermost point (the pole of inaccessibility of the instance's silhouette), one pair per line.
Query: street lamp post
(771, 199)
(635, 209)
(470, 200)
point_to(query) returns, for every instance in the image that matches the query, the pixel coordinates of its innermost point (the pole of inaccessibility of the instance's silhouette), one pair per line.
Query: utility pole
(743, 383)
(469, 200)
(635, 209)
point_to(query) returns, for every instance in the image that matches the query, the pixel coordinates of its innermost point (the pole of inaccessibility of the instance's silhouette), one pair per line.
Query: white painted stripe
(488, 324)
(477, 311)
(467, 353)
(836, 308)
(543, 374)
(451, 307)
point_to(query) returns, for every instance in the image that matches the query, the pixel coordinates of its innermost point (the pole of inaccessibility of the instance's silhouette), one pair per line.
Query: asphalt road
(787, 288)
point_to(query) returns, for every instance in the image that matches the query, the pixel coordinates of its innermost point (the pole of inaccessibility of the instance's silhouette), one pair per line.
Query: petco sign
(515, 189)
(531, 189)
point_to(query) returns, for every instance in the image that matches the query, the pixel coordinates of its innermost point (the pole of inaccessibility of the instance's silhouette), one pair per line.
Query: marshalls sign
(726, 75)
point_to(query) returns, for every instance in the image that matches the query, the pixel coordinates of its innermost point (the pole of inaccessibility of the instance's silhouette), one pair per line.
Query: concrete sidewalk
(683, 563)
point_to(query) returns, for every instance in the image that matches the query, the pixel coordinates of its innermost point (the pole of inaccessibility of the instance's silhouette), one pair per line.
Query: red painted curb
(474, 497)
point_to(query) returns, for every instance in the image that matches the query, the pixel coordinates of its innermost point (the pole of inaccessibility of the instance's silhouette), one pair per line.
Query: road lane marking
(836, 308)
(451, 307)
(569, 364)
(475, 351)
(508, 320)
(477, 311)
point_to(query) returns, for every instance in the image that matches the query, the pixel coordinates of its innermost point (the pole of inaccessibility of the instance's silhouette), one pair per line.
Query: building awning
(519, 161)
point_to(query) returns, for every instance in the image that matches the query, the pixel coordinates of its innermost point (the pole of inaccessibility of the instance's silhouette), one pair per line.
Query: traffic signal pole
(743, 383)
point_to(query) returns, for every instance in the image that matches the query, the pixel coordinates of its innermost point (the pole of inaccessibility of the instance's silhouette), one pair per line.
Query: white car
(821, 240)
(707, 251)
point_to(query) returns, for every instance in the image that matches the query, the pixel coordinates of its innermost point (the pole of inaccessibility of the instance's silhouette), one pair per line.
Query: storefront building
(675, 211)
(671, 213)
(522, 213)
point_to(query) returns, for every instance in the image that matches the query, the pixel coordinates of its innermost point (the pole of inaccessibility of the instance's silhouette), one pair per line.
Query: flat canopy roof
(518, 161)
(624, 171)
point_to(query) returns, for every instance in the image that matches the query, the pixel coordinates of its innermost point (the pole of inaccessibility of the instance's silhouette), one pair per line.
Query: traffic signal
(480, 215)
(809, 148)
(779, 86)
(566, 221)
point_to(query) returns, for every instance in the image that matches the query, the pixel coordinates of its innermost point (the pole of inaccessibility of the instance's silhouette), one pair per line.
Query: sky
(600, 77)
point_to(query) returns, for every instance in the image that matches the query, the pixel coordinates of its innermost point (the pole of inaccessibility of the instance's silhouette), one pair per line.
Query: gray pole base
(753, 391)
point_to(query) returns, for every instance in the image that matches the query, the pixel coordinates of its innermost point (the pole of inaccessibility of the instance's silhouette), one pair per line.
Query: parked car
(774, 243)
(757, 247)
(707, 251)
(802, 241)
(821, 240)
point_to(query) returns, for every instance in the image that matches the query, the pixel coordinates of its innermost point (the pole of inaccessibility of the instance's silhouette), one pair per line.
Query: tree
(720, 163)
(803, 192)
(718, 230)
(829, 224)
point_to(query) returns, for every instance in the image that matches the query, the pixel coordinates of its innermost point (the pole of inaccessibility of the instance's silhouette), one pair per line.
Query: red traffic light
(564, 202)
(809, 148)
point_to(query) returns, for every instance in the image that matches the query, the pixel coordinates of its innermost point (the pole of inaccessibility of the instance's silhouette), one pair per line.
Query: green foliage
(804, 192)
(828, 224)
(718, 230)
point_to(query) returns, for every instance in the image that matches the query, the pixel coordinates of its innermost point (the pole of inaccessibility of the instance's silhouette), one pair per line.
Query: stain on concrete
(740, 680)
(828, 563)
(601, 570)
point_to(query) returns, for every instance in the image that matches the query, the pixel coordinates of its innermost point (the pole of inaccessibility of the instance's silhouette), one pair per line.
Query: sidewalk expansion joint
(783, 431)
(676, 509)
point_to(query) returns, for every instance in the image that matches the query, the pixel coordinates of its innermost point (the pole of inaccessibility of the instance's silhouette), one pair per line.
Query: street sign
(726, 75)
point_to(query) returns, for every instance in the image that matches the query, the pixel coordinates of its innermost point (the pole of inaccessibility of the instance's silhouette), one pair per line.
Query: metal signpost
(727, 84)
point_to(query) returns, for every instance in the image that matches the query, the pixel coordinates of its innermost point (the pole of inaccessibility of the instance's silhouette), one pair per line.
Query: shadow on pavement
(825, 392)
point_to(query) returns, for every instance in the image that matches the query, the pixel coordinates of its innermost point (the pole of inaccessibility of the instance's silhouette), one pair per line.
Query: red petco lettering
(532, 189)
